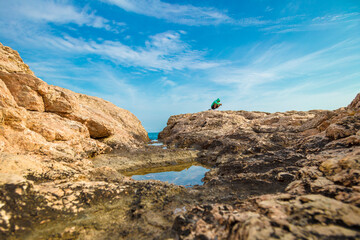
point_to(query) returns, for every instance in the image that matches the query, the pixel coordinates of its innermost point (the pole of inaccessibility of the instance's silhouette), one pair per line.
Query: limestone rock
(355, 104)
(335, 131)
(252, 153)
(6, 99)
(117, 127)
(55, 128)
(56, 114)
(14, 117)
(11, 62)
(256, 131)
(271, 217)
(25, 89)
(60, 100)
(48, 134)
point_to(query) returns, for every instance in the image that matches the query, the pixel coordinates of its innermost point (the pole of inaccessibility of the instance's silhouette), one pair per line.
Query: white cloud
(166, 82)
(163, 51)
(198, 16)
(269, 9)
(335, 17)
(282, 62)
(186, 14)
(183, 14)
(300, 23)
(53, 11)
(61, 13)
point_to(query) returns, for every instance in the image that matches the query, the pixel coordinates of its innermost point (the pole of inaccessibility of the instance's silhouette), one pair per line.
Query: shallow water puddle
(155, 143)
(188, 174)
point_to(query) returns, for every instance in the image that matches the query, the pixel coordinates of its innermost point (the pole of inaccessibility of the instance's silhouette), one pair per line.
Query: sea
(153, 136)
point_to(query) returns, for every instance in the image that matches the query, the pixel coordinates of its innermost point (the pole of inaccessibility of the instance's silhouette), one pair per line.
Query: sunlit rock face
(11, 62)
(45, 119)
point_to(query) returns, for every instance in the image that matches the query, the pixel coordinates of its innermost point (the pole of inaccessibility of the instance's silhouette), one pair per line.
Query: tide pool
(188, 176)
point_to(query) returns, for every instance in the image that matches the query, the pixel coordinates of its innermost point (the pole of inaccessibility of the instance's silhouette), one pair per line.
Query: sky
(158, 58)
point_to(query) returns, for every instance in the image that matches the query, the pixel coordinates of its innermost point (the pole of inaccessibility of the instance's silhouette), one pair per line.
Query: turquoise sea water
(153, 135)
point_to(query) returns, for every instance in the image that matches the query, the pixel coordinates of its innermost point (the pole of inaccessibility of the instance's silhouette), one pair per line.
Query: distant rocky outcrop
(242, 131)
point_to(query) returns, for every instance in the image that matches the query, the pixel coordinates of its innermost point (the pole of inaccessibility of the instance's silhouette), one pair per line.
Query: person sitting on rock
(216, 104)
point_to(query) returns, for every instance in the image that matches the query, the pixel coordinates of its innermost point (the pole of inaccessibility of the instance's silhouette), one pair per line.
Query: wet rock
(285, 176)
(149, 157)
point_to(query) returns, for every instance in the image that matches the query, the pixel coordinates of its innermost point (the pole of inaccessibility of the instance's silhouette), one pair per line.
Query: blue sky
(160, 58)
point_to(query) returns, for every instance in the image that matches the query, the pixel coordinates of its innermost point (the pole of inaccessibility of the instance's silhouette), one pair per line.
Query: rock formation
(256, 153)
(48, 133)
(50, 121)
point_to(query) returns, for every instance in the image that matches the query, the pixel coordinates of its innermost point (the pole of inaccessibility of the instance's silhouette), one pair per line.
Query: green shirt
(217, 101)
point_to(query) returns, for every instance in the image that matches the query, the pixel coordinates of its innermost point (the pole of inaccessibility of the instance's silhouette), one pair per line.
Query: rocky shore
(64, 158)
(292, 175)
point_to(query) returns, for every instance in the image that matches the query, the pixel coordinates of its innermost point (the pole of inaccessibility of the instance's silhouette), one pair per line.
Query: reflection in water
(155, 143)
(189, 176)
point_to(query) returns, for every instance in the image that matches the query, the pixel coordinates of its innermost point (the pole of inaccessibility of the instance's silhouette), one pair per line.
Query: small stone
(71, 198)
(285, 176)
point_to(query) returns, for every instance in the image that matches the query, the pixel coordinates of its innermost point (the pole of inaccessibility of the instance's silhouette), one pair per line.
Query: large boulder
(55, 128)
(56, 123)
(241, 131)
(26, 90)
(59, 100)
